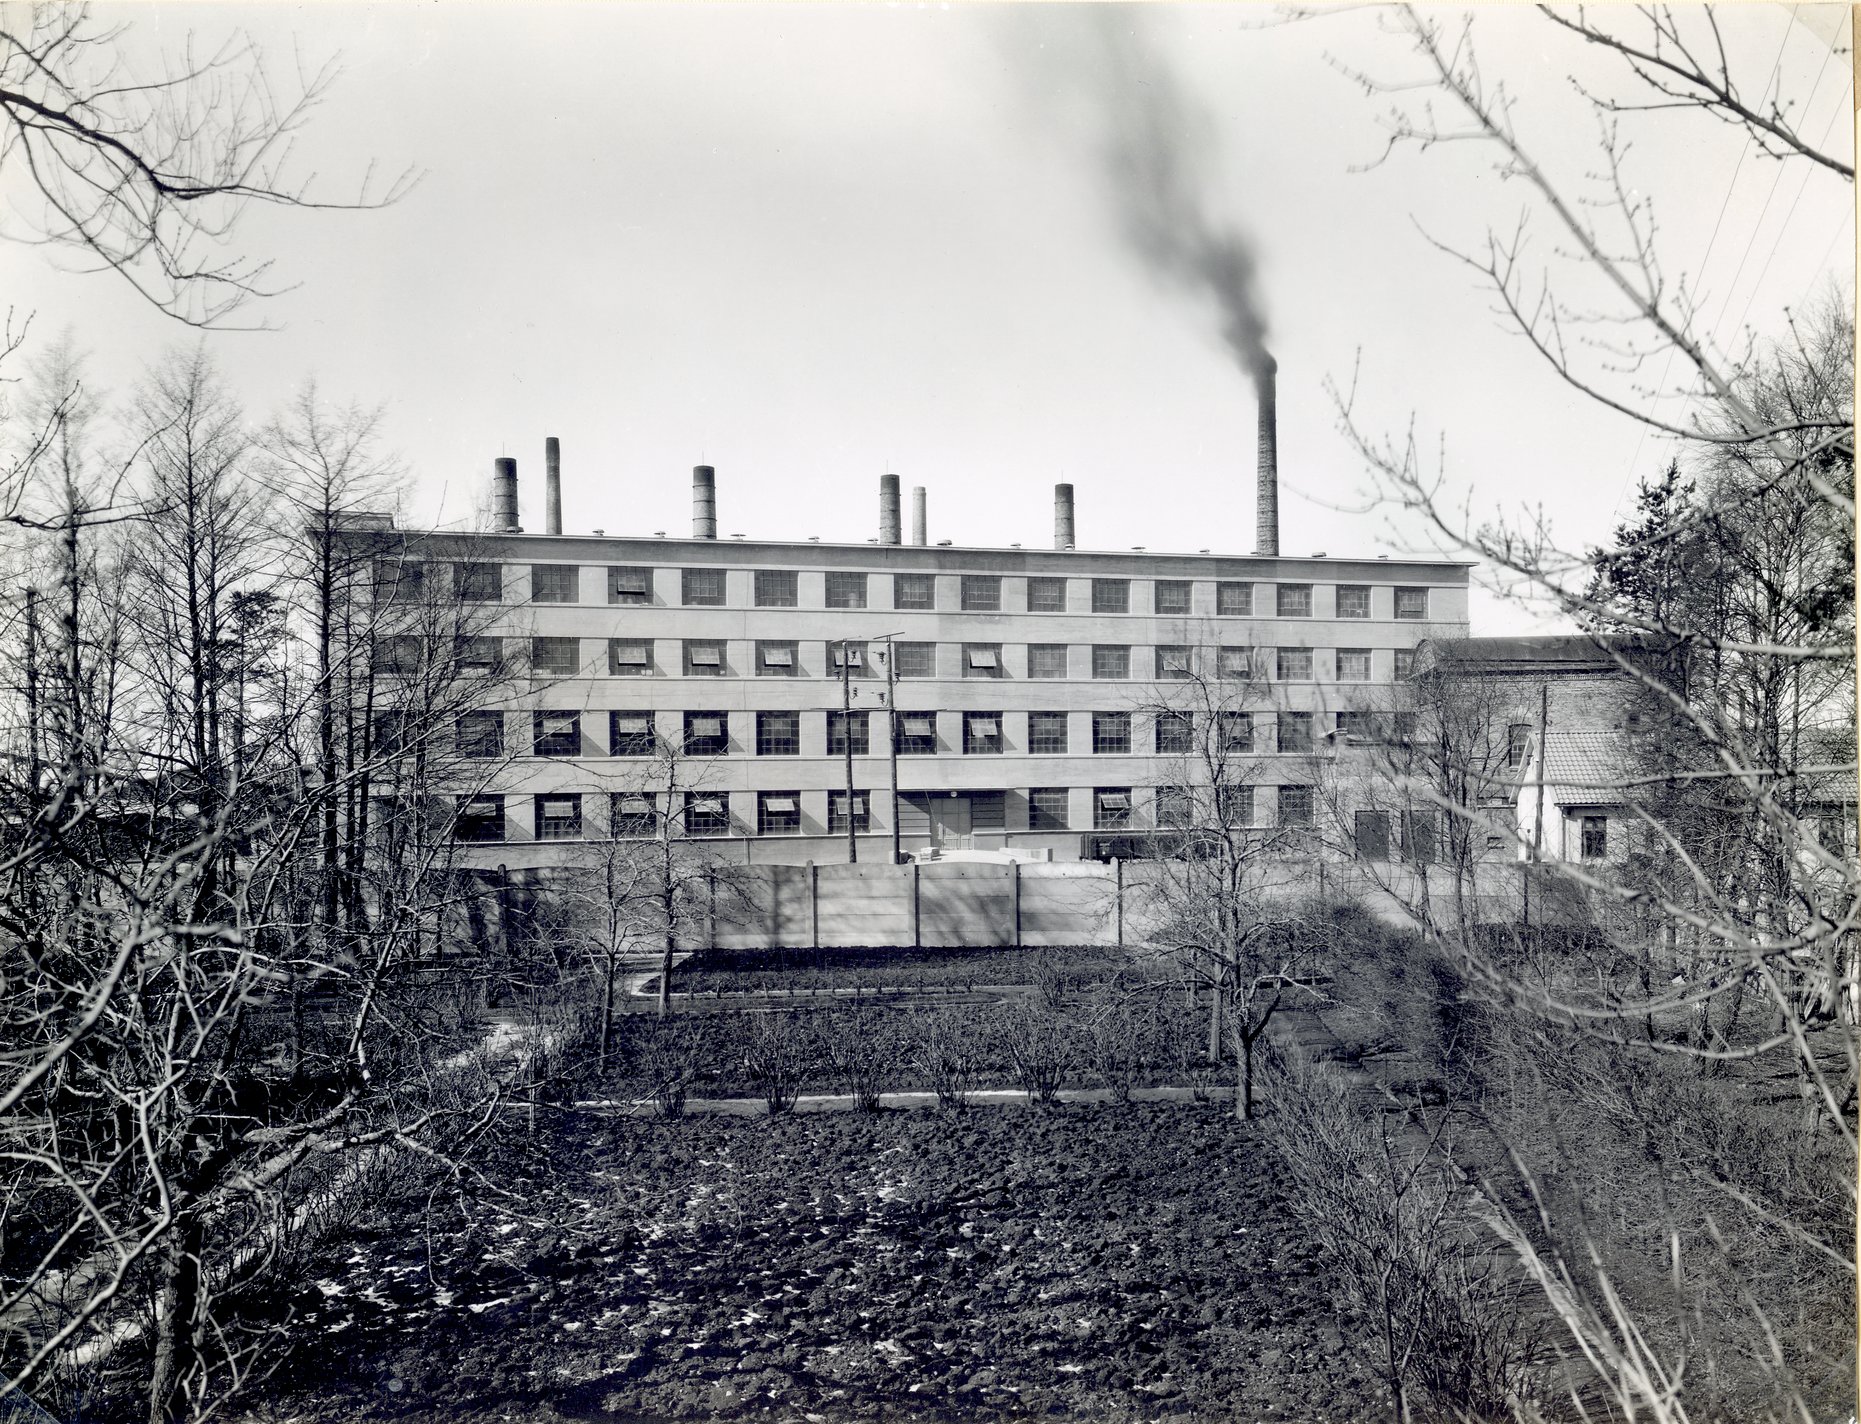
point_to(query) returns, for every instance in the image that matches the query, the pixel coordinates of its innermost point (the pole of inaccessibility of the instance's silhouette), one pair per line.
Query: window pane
(1234, 805)
(775, 659)
(836, 812)
(1111, 732)
(555, 657)
(706, 734)
(555, 583)
(1046, 808)
(778, 734)
(1237, 731)
(1234, 600)
(630, 813)
(777, 588)
(558, 818)
(916, 733)
(1046, 660)
(1518, 743)
(1412, 603)
(1405, 663)
(988, 811)
(1373, 835)
(778, 813)
(846, 590)
(1353, 664)
(1110, 662)
(1595, 837)
(916, 659)
(1353, 601)
(1111, 595)
(1046, 595)
(630, 734)
(702, 588)
(1418, 836)
(982, 593)
(1295, 805)
(629, 657)
(1172, 595)
(1175, 808)
(1046, 732)
(481, 734)
(1295, 600)
(1236, 664)
(629, 585)
(478, 583)
(914, 590)
(842, 656)
(837, 724)
(981, 660)
(558, 734)
(704, 659)
(1111, 808)
(1175, 732)
(480, 819)
(1172, 662)
(706, 814)
(1295, 664)
(982, 733)
(1295, 731)
(479, 652)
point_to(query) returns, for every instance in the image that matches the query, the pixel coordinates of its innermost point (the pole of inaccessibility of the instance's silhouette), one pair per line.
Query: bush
(778, 1055)
(1039, 1044)
(862, 1048)
(948, 1055)
(666, 1058)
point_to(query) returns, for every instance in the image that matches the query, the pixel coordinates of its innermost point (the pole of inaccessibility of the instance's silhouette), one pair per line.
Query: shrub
(778, 1055)
(947, 1054)
(1039, 1044)
(862, 1049)
(666, 1058)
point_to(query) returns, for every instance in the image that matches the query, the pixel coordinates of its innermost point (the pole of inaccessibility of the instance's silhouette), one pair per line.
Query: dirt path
(843, 1102)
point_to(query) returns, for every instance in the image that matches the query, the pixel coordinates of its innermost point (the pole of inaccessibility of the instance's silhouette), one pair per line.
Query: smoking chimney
(918, 535)
(703, 502)
(1266, 508)
(504, 497)
(552, 485)
(890, 517)
(1062, 516)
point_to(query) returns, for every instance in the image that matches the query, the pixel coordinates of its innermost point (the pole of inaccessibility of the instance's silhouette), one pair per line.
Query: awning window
(636, 806)
(630, 654)
(982, 657)
(1115, 801)
(630, 583)
(633, 724)
(708, 806)
(779, 803)
(778, 657)
(557, 807)
(920, 726)
(1176, 662)
(707, 726)
(707, 655)
(985, 726)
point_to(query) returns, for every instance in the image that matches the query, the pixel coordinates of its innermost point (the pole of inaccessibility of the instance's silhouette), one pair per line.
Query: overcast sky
(811, 244)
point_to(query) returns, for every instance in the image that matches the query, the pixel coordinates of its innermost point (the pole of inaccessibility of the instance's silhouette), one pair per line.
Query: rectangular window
(555, 583)
(704, 658)
(1412, 604)
(846, 590)
(914, 590)
(1234, 600)
(1234, 805)
(1111, 808)
(1046, 595)
(1295, 731)
(1111, 595)
(1295, 805)
(1110, 662)
(1294, 664)
(631, 813)
(1172, 596)
(400, 580)
(982, 660)
(1418, 836)
(1236, 664)
(630, 734)
(1353, 664)
(1175, 808)
(988, 810)
(836, 812)
(915, 659)
(559, 818)
(557, 734)
(1518, 743)
(555, 657)
(1046, 660)
(1175, 733)
(706, 734)
(1406, 726)
(629, 657)
(982, 733)
(982, 593)
(701, 588)
(1172, 662)
(397, 654)
(1372, 835)
(480, 819)
(707, 813)
(1353, 600)
(1293, 600)
(838, 724)
(1237, 731)
(778, 813)
(916, 733)
(479, 652)
(481, 734)
(1595, 837)
(1111, 733)
(629, 585)
(1046, 733)
(777, 588)
(478, 582)
(778, 734)
(1355, 724)
(391, 733)
(1405, 663)
(1046, 808)
(846, 657)
(776, 659)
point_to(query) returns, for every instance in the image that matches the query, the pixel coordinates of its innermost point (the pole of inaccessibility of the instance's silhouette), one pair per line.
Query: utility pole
(891, 736)
(846, 741)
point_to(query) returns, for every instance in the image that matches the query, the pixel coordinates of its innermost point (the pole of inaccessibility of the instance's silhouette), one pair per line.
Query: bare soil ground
(1091, 1263)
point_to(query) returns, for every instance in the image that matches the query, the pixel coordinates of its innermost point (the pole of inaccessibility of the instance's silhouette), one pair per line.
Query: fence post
(1117, 879)
(814, 903)
(1014, 896)
(710, 909)
(917, 923)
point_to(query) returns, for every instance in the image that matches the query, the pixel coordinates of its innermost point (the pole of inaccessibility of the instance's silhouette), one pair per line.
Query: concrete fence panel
(966, 904)
(1064, 903)
(864, 904)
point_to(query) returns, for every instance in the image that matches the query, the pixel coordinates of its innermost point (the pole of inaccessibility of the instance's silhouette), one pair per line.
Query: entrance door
(949, 821)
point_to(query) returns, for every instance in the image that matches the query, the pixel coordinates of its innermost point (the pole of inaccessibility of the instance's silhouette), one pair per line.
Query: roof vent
(943, 543)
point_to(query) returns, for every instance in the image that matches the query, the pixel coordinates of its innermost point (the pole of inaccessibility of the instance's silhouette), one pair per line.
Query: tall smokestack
(703, 502)
(552, 485)
(891, 518)
(1062, 516)
(1266, 508)
(919, 534)
(504, 496)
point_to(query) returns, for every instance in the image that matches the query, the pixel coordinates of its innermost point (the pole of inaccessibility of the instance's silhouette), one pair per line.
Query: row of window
(1106, 662)
(480, 582)
(706, 733)
(559, 816)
